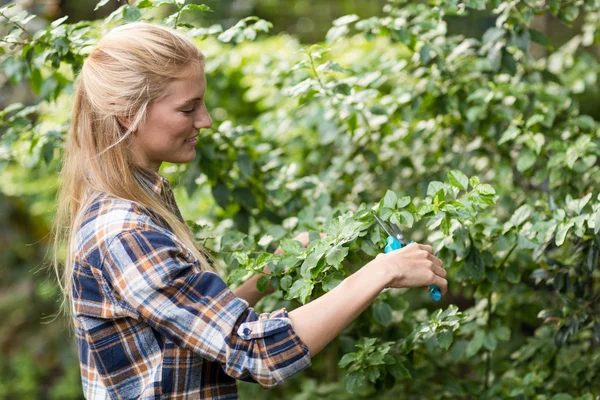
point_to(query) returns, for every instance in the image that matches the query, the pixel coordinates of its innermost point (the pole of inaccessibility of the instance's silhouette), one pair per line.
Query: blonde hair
(128, 70)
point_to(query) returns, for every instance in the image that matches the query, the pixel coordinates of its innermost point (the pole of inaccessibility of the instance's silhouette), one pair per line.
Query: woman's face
(171, 122)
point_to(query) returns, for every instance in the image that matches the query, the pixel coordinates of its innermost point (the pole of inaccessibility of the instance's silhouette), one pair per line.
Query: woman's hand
(413, 266)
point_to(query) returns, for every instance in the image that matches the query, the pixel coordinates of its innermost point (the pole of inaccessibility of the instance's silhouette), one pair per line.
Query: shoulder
(106, 218)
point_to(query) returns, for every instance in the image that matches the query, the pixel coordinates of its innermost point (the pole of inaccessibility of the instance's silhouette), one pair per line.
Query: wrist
(381, 272)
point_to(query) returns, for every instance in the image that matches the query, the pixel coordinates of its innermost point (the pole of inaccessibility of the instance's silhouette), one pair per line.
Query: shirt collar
(155, 181)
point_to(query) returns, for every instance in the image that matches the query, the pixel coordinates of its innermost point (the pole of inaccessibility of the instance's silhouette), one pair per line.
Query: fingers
(434, 266)
(441, 283)
(426, 247)
(436, 261)
(439, 271)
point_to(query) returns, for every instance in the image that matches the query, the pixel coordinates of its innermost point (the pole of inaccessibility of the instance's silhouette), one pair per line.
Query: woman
(152, 319)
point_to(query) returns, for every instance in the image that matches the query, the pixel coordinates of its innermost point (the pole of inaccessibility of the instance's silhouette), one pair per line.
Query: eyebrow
(190, 101)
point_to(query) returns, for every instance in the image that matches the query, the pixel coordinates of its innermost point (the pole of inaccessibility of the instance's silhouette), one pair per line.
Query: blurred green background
(37, 354)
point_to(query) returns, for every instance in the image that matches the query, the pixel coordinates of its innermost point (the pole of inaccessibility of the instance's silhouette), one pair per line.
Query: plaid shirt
(150, 324)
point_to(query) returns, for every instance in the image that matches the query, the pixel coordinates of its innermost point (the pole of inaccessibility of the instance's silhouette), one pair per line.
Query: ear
(124, 121)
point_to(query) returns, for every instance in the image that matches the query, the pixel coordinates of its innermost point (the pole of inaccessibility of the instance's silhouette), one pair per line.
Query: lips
(191, 138)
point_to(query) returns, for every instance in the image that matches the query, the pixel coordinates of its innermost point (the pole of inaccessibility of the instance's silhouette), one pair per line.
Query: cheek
(171, 127)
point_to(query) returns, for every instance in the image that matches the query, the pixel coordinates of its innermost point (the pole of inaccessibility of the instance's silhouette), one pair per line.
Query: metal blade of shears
(391, 230)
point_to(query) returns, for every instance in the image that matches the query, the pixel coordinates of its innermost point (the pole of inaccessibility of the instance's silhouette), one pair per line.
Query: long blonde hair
(127, 71)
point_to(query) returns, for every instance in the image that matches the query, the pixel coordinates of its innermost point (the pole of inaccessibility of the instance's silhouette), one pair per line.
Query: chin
(182, 160)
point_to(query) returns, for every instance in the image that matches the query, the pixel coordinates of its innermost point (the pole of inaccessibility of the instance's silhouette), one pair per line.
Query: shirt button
(247, 331)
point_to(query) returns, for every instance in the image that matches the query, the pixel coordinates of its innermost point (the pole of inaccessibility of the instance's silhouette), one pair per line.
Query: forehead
(191, 84)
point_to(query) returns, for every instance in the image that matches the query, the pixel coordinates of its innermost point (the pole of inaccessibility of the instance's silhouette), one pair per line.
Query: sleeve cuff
(287, 354)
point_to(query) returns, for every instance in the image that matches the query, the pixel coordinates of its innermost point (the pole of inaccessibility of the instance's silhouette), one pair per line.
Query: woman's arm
(249, 292)
(321, 320)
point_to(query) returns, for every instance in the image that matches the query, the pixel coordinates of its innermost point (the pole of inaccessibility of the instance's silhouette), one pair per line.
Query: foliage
(470, 144)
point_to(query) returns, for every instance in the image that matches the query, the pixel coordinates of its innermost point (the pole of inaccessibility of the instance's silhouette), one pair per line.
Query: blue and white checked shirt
(150, 324)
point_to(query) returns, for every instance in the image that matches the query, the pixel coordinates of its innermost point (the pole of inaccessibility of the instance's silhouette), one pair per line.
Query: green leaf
(403, 202)
(489, 342)
(301, 290)
(434, 187)
(196, 8)
(290, 246)
(526, 160)
(237, 275)
(336, 32)
(502, 333)
(493, 34)
(355, 380)
(345, 20)
(385, 213)
(473, 181)
(485, 189)
(332, 281)
(245, 164)
(263, 283)
(336, 255)
(59, 21)
(312, 259)
(36, 80)
(285, 283)
(512, 273)
(475, 344)
(521, 215)
(403, 218)
(232, 239)
(586, 123)
(399, 371)
(539, 38)
(347, 359)
(474, 265)
(577, 205)
(569, 14)
(476, 4)
(342, 88)
(244, 196)
(390, 199)
(444, 339)
(562, 230)
(101, 3)
(458, 179)
(425, 54)
(382, 313)
(221, 194)
(131, 14)
(145, 4)
(534, 120)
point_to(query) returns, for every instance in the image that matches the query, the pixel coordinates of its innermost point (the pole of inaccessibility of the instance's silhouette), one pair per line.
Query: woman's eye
(188, 111)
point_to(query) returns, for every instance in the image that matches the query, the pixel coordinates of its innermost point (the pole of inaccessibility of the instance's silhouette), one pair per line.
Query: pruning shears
(395, 241)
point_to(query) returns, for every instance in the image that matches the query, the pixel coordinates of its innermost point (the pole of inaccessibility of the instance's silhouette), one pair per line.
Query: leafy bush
(470, 144)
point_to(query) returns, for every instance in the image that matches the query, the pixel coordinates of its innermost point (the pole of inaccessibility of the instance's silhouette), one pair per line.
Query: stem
(21, 27)
(488, 366)
(505, 259)
(9, 42)
(314, 70)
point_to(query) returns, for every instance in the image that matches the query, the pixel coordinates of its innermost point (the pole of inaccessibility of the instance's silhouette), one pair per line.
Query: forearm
(321, 320)
(249, 292)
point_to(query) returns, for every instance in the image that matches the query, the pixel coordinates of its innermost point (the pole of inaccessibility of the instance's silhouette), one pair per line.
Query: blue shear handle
(394, 244)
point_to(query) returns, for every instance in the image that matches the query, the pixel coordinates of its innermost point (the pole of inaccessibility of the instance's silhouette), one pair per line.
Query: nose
(203, 120)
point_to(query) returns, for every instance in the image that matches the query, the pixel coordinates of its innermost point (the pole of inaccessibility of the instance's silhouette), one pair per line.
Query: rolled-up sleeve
(157, 278)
